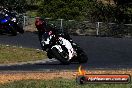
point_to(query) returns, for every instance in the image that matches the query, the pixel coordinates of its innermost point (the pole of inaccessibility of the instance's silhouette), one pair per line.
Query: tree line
(91, 10)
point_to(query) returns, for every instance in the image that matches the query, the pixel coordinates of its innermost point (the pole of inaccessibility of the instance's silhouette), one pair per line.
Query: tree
(124, 10)
(18, 5)
(70, 9)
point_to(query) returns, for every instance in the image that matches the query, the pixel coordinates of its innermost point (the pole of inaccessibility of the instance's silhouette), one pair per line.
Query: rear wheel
(13, 31)
(81, 56)
(20, 28)
(60, 57)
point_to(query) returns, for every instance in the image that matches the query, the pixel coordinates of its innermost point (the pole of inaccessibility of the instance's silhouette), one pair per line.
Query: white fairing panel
(58, 47)
(68, 45)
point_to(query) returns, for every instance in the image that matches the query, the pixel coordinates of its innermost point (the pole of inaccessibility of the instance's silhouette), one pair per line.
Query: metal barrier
(84, 27)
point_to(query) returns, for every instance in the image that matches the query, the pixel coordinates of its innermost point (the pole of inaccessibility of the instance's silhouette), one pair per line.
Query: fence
(84, 27)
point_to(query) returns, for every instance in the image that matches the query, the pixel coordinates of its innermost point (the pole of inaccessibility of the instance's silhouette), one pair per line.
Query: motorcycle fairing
(3, 21)
(58, 47)
(68, 45)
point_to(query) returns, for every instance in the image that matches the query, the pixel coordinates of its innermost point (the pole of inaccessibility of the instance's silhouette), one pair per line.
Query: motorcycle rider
(62, 37)
(43, 26)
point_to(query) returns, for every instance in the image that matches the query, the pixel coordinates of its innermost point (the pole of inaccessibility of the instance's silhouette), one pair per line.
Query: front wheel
(60, 57)
(49, 54)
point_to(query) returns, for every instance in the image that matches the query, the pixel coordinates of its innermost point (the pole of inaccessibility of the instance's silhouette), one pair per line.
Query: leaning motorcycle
(62, 49)
(9, 24)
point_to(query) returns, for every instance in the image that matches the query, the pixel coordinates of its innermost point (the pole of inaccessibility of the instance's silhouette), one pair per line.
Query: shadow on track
(55, 65)
(41, 66)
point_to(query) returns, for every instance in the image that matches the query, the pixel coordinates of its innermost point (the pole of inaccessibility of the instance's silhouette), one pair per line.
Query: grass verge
(56, 79)
(59, 83)
(10, 54)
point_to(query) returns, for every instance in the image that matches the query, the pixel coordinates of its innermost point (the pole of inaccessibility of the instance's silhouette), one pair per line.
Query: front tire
(49, 54)
(60, 57)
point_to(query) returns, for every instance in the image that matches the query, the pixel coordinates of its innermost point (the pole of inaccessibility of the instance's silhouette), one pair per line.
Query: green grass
(9, 54)
(59, 83)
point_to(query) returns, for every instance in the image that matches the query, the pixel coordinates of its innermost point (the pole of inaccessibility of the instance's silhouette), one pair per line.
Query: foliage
(124, 11)
(71, 9)
(18, 5)
(85, 10)
(92, 10)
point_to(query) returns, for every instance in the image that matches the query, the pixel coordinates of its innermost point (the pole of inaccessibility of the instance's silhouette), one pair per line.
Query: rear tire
(13, 32)
(19, 28)
(82, 57)
(60, 57)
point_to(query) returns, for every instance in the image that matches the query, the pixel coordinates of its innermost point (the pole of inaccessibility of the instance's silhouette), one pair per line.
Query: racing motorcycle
(9, 24)
(62, 49)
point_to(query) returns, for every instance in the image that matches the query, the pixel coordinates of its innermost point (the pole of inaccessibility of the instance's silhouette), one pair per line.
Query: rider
(42, 26)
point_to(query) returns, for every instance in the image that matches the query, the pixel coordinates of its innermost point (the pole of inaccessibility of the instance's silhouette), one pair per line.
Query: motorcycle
(62, 49)
(9, 24)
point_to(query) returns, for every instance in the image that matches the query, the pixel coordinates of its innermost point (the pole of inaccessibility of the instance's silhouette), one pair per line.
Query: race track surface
(103, 53)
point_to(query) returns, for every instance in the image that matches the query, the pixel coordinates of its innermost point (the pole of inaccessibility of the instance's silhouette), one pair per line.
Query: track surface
(103, 53)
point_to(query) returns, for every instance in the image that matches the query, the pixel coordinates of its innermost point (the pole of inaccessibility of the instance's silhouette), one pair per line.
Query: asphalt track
(103, 53)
